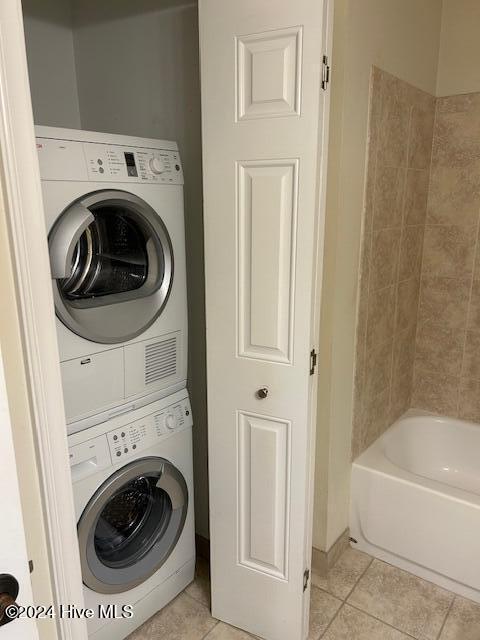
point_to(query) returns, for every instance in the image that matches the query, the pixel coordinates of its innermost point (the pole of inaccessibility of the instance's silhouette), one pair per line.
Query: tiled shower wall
(399, 151)
(418, 330)
(447, 362)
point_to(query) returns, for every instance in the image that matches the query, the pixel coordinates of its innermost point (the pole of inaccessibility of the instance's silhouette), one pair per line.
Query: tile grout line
(204, 606)
(366, 293)
(344, 601)
(402, 239)
(217, 622)
(396, 332)
(421, 275)
(472, 279)
(364, 233)
(396, 296)
(366, 612)
(394, 566)
(210, 630)
(374, 617)
(354, 585)
(359, 578)
(196, 599)
(396, 284)
(446, 617)
(322, 635)
(431, 371)
(387, 624)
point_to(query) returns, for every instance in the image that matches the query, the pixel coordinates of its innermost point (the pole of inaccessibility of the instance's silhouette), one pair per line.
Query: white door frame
(24, 210)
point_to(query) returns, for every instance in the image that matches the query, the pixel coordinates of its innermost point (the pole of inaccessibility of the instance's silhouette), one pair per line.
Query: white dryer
(115, 223)
(133, 490)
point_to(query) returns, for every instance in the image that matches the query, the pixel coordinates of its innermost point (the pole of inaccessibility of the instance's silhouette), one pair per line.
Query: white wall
(138, 74)
(51, 63)
(401, 37)
(459, 62)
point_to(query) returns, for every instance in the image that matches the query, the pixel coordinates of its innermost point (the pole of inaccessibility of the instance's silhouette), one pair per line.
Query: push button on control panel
(124, 440)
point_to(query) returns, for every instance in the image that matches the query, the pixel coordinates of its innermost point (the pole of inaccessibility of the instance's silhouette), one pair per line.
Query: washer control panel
(142, 434)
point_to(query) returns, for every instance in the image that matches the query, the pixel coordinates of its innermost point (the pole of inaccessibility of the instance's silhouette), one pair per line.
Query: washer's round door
(112, 264)
(131, 525)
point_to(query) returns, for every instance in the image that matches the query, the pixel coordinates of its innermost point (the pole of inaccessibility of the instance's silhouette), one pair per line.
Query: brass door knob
(8, 594)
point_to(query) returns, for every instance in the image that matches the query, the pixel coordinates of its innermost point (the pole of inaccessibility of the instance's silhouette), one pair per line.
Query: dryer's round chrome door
(108, 250)
(131, 525)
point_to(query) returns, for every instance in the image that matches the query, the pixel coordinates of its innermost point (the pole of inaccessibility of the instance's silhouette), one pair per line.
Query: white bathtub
(415, 500)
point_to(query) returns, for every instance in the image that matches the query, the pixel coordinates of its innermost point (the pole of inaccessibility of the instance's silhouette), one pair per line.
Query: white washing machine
(133, 490)
(115, 223)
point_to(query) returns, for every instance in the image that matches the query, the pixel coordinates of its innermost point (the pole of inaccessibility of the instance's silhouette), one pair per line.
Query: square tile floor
(360, 599)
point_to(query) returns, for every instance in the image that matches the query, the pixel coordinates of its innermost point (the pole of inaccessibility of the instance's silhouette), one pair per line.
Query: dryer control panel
(145, 432)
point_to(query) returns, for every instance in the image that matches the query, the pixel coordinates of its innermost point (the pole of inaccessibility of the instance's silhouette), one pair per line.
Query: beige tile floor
(360, 599)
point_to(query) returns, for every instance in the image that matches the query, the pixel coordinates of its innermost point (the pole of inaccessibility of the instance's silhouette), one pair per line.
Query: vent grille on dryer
(160, 360)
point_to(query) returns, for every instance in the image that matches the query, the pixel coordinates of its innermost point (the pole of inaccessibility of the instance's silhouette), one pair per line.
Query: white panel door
(13, 551)
(263, 158)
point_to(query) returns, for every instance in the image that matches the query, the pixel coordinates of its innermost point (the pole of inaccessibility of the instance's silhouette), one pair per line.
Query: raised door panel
(266, 213)
(268, 70)
(263, 489)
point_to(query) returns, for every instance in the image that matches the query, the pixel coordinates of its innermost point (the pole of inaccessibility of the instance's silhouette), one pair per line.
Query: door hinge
(325, 73)
(306, 578)
(313, 361)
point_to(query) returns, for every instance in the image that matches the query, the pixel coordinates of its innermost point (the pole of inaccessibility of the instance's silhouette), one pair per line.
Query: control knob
(157, 165)
(171, 421)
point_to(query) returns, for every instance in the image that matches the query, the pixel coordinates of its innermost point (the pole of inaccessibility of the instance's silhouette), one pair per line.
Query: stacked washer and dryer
(115, 222)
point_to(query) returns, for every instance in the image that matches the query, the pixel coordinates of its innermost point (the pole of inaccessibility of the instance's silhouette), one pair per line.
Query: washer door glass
(131, 525)
(131, 522)
(109, 249)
